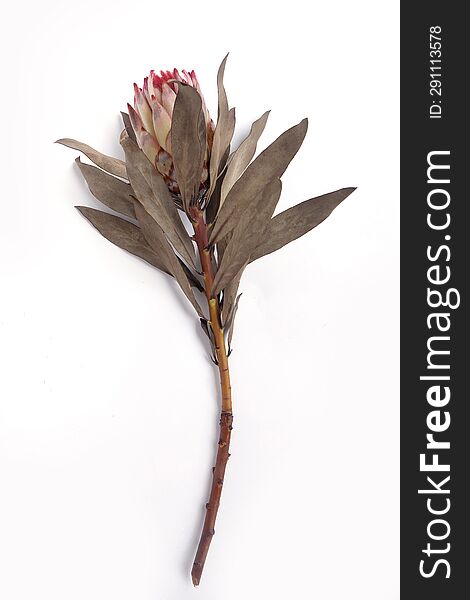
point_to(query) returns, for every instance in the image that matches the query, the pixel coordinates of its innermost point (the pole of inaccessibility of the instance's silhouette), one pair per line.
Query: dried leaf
(107, 163)
(269, 165)
(123, 234)
(128, 126)
(147, 223)
(207, 328)
(188, 141)
(222, 95)
(112, 192)
(231, 321)
(193, 280)
(242, 156)
(230, 295)
(213, 202)
(221, 246)
(298, 220)
(151, 191)
(155, 236)
(246, 235)
(151, 231)
(231, 289)
(223, 131)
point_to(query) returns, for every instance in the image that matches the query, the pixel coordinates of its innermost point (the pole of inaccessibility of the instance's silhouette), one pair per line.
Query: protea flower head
(151, 120)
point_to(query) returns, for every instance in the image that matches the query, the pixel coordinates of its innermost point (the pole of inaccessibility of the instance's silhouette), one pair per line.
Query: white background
(109, 403)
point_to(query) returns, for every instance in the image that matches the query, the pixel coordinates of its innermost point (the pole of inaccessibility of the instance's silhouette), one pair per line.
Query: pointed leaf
(112, 192)
(231, 321)
(188, 141)
(222, 95)
(129, 237)
(193, 280)
(298, 220)
(223, 130)
(242, 156)
(246, 236)
(221, 246)
(152, 233)
(230, 295)
(147, 225)
(269, 165)
(151, 191)
(107, 163)
(212, 206)
(156, 238)
(123, 234)
(207, 328)
(231, 289)
(128, 126)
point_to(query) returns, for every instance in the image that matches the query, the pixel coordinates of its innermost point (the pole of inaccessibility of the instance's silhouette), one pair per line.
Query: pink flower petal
(143, 108)
(146, 142)
(177, 76)
(161, 123)
(168, 98)
(168, 142)
(151, 119)
(135, 119)
(187, 78)
(146, 90)
(157, 82)
(164, 163)
(192, 74)
(150, 147)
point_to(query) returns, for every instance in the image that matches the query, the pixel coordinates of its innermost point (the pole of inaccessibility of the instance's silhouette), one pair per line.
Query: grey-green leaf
(207, 328)
(230, 295)
(128, 126)
(242, 156)
(246, 236)
(107, 163)
(155, 236)
(298, 220)
(222, 95)
(152, 233)
(112, 192)
(213, 202)
(231, 321)
(269, 165)
(223, 131)
(231, 289)
(123, 234)
(188, 141)
(151, 191)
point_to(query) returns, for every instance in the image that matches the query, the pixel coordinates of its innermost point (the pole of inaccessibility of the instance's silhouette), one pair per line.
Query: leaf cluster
(237, 203)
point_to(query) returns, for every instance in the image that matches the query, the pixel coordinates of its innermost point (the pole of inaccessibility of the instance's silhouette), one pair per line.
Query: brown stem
(226, 416)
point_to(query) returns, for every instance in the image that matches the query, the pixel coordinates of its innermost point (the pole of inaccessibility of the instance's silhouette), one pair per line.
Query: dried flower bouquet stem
(177, 162)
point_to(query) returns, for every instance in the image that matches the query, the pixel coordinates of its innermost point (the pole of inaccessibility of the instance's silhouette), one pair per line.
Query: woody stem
(226, 416)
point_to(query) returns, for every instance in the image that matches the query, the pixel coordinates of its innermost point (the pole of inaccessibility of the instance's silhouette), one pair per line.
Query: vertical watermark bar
(435, 270)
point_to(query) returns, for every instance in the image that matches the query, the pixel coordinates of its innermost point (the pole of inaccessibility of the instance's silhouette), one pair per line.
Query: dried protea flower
(151, 119)
(176, 159)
